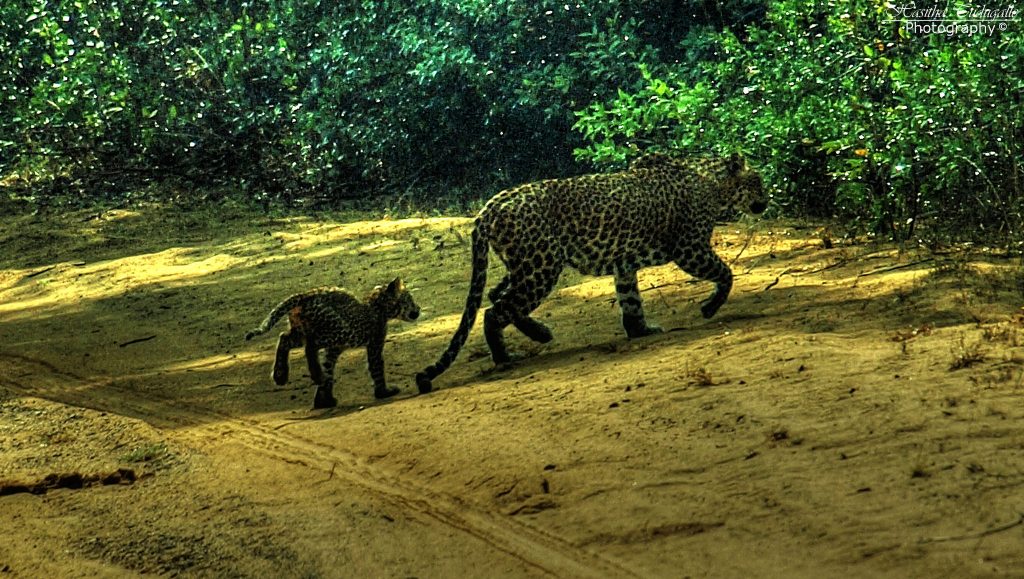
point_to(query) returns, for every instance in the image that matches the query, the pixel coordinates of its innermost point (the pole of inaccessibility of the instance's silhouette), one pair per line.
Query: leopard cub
(332, 319)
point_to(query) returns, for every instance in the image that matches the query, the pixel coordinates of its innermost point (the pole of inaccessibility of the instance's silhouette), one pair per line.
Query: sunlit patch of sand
(846, 407)
(73, 284)
(213, 363)
(32, 292)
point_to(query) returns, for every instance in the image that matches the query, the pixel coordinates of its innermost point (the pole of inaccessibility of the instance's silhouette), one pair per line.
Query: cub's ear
(395, 286)
(736, 163)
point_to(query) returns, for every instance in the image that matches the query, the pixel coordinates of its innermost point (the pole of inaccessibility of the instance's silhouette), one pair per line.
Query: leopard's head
(742, 187)
(737, 184)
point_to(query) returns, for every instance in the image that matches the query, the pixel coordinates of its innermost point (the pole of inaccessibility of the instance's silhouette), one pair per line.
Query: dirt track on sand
(851, 411)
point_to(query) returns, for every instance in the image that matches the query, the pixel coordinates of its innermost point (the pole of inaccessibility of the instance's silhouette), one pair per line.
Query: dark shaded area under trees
(848, 112)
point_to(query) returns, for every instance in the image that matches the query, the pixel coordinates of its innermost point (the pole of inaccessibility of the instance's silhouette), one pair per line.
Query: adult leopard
(661, 209)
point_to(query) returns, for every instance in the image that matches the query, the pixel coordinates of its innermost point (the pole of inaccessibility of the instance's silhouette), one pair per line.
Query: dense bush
(109, 95)
(849, 113)
(284, 98)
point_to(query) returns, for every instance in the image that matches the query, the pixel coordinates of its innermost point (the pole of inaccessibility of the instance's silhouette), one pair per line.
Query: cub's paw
(643, 331)
(324, 400)
(637, 327)
(382, 393)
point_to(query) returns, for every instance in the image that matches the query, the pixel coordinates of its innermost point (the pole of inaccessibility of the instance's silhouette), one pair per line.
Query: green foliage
(438, 91)
(326, 99)
(849, 112)
(111, 93)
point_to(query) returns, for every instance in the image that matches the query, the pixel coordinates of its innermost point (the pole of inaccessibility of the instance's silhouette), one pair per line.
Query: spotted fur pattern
(661, 209)
(332, 319)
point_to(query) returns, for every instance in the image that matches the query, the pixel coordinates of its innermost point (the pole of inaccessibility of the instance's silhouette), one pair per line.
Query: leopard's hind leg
(527, 287)
(498, 290)
(627, 290)
(324, 397)
(286, 342)
(531, 328)
(316, 374)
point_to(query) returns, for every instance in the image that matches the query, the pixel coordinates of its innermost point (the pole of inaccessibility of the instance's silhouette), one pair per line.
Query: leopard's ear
(395, 286)
(736, 163)
(650, 161)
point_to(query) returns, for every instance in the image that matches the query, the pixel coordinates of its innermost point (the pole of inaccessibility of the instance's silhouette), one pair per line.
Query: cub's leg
(375, 362)
(627, 290)
(286, 342)
(313, 361)
(324, 397)
(704, 264)
(527, 288)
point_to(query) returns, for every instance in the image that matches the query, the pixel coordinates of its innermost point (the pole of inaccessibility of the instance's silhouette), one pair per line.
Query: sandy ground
(852, 411)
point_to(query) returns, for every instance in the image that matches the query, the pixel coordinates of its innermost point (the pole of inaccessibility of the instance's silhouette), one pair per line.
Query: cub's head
(395, 301)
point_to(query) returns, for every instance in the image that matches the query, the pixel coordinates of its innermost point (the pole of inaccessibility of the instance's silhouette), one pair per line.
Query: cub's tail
(473, 301)
(279, 311)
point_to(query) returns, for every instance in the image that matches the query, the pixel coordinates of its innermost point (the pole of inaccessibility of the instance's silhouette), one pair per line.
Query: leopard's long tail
(279, 311)
(473, 301)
